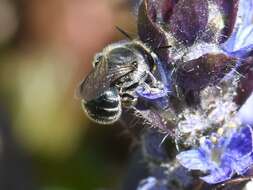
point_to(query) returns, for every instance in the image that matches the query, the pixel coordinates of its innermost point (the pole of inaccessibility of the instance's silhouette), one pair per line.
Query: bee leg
(154, 82)
(150, 90)
(151, 77)
(146, 87)
(128, 99)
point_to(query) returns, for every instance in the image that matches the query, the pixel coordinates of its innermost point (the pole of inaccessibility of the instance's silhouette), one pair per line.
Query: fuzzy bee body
(104, 109)
(120, 72)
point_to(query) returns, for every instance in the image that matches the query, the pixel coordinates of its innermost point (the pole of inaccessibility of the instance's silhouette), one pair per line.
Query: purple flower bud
(149, 31)
(194, 31)
(189, 20)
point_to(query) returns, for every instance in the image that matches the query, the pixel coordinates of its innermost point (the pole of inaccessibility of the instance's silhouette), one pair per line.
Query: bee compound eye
(105, 109)
(98, 57)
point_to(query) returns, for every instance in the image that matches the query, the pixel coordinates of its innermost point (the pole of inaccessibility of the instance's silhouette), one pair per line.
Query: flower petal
(152, 94)
(242, 35)
(246, 110)
(241, 144)
(221, 173)
(243, 165)
(194, 160)
(218, 175)
(243, 52)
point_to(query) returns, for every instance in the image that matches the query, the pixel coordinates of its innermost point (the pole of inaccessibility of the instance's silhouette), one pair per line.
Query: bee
(121, 73)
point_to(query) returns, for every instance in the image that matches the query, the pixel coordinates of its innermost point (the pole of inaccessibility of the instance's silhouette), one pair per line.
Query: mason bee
(121, 73)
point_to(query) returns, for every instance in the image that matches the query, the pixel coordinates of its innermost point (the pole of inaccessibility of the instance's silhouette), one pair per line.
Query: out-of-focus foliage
(46, 47)
(8, 21)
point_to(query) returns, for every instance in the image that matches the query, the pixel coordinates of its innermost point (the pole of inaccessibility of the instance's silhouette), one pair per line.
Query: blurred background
(46, 48)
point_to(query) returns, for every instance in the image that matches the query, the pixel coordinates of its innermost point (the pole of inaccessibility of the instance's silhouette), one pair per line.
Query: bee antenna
(123, 32)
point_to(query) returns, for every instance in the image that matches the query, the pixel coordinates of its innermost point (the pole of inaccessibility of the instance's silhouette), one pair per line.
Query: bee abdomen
(105, 109)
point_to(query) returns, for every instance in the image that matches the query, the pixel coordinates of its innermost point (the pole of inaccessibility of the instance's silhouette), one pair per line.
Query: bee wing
(101, 78)
(95, 83)
(119, 71)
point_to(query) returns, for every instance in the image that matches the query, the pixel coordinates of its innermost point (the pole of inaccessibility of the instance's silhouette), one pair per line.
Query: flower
(240, 43)
(208, 41)
(223, 159)
(245, 112)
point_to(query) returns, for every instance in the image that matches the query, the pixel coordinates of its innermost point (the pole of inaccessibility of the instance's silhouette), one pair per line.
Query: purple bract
(206, 38)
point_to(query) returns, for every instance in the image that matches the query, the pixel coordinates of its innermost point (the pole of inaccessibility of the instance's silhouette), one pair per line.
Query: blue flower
(221, 160)
(240, 43)
(245, 112)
